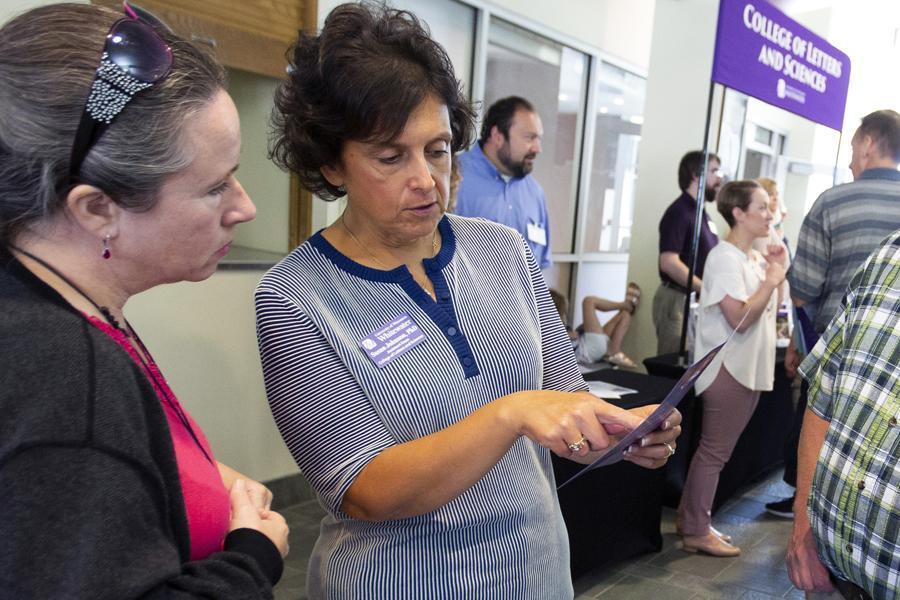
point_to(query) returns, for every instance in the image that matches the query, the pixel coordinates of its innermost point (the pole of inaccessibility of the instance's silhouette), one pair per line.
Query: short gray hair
(48, 57)
(883, 126)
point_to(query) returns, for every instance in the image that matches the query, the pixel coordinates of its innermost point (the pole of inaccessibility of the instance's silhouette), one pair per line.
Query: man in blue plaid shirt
(850, 443)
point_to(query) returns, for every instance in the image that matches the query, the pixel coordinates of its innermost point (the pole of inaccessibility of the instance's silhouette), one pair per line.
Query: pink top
(206, 500)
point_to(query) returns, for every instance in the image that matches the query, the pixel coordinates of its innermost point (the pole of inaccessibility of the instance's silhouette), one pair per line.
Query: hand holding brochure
(656, 418)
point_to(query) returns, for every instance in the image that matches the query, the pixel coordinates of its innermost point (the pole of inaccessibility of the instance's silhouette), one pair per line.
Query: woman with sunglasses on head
(444, 377)
(117, 165)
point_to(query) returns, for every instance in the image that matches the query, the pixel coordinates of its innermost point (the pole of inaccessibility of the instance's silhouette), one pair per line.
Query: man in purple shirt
(676, 233)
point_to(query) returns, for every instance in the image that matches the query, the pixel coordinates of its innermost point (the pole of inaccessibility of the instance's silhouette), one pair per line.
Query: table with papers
(613, 513)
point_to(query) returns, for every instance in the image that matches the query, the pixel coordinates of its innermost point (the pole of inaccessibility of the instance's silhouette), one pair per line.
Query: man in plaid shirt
(850, 443)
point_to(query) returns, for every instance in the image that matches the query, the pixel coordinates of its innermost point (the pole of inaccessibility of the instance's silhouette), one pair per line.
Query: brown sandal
(633, 296)
(621, 360)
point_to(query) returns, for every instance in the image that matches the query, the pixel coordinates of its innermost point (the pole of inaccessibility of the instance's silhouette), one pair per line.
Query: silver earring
(106, 253)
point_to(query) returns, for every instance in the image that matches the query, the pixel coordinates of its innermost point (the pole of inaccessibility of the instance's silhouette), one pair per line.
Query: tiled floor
(672, 574)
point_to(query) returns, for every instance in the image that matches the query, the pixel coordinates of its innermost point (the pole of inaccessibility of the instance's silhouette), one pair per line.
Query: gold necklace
(375, 258)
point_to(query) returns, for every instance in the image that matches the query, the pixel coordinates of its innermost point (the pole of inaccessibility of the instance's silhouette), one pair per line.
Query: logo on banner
(783, 90)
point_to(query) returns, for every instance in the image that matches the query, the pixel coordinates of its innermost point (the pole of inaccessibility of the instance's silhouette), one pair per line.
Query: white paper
(605, 390)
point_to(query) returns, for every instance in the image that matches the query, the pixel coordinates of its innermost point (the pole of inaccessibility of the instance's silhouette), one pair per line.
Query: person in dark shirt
(676, 232)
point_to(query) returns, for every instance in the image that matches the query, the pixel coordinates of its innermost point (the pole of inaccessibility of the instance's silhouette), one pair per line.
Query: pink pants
(727, 408)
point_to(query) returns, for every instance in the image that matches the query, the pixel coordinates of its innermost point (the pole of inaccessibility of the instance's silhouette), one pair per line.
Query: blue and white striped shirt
(492, 331)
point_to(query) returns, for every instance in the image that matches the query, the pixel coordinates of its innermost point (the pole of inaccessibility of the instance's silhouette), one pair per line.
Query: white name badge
(392, 340)
(537, 234)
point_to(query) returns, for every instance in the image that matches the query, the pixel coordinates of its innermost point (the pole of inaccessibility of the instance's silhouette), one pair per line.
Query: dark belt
(850, 590)
(674, 286)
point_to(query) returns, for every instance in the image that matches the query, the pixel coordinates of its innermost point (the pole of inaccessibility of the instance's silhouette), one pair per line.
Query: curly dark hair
(360, 79)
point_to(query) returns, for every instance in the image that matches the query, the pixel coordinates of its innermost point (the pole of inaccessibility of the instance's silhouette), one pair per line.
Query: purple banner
(762, 52)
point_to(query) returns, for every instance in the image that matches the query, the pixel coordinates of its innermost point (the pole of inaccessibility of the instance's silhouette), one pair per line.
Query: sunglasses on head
(134, 58)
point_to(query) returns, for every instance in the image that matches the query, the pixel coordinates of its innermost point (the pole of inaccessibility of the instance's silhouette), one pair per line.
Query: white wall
(11, 8)
(871, 37)
(620, 28)
(203, 336)
(267, 185)
(674, 118)
(604, 279)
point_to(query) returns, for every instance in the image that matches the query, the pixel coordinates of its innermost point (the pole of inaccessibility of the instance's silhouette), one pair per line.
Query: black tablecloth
(614, 512)
(759, 449)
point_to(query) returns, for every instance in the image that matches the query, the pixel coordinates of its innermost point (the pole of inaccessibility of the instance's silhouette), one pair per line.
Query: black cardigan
(92, 504)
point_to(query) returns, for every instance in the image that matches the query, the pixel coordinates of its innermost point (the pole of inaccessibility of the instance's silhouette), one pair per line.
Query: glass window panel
(620, 113)
(763, 135)
(756, 164)
(553, 77)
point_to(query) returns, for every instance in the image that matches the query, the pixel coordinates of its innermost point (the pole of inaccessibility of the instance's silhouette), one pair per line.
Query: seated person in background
(593, 341)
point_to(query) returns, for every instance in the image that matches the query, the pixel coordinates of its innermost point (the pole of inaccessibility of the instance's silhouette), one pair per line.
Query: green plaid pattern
(854, 375)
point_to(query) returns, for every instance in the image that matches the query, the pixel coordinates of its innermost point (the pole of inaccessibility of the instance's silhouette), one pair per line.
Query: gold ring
(574, 447)
(670, 448)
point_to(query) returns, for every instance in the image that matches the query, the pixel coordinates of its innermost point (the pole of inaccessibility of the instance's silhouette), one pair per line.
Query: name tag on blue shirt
(392, 340)
(537, 234)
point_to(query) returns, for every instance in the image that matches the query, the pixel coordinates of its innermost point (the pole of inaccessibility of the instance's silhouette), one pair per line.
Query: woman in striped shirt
(413, 360)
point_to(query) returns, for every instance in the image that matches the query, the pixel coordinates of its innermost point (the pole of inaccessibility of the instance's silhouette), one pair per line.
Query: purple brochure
(656, 418)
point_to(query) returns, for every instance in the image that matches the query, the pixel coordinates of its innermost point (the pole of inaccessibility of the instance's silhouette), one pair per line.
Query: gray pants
(727, 408)
(668, 311)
